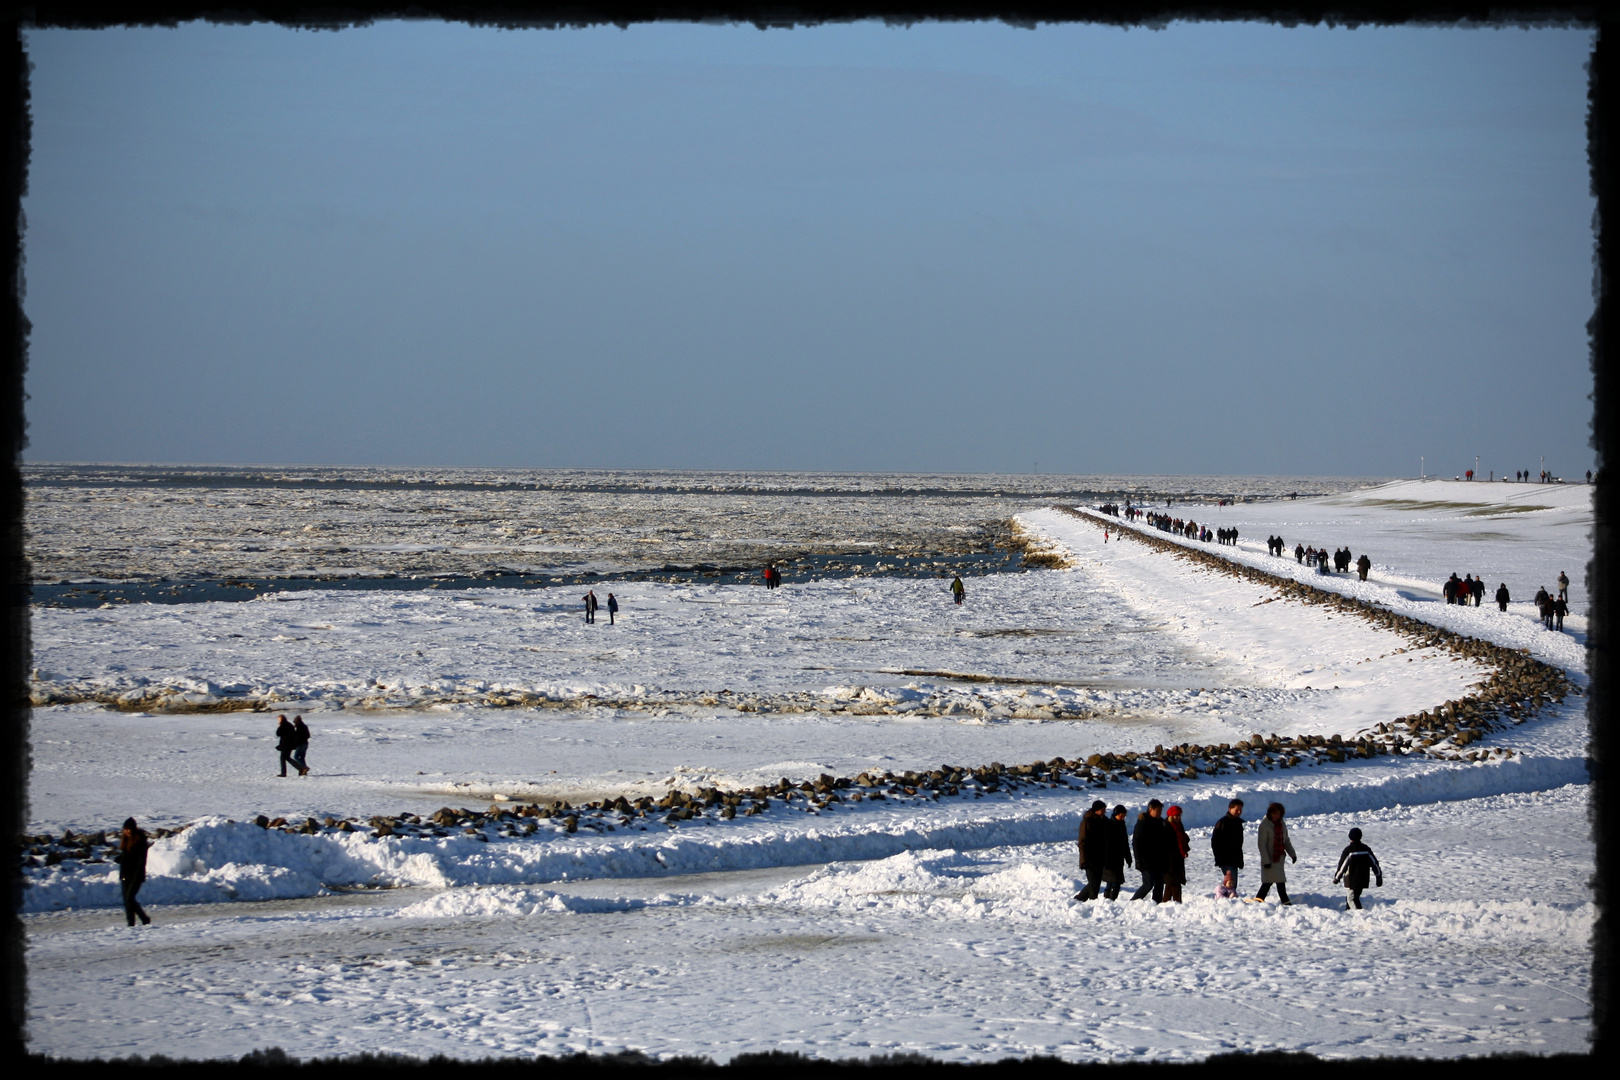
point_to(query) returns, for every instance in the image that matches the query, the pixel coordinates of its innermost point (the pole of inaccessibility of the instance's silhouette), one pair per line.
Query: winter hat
(129, 823)
(1355, 834)
(1174, 811)
(1098, 805)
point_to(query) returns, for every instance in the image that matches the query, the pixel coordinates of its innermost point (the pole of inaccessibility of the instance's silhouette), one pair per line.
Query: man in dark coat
(1502, 597)
(286, 742)
(300, 752)
(1364, 564)
(1119, 853)
(1356, 864)
(1479, 591)
(1560, 608)
(132, 870)
(1093, 849)
(1227, 842)
(1151, 842)
(613, 608)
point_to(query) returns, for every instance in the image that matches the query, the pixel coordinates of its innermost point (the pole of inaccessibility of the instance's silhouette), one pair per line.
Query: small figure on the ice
(1563, 585)
(286, 741)
(1177, 849)
(589, 600)
(1226, 841)
(1560, 608)
(300, 745)
(1299, 552)
(1357, 863)
(1150, 840)
(1274, 844)
(1363, 565)
(1119, 853)
(958, 589)
(1478, 590)
(1093, 842)
(132, 870)
(1502, 597)
(613, 608)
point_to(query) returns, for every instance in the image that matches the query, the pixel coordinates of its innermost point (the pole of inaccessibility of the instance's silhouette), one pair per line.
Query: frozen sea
(464, 673)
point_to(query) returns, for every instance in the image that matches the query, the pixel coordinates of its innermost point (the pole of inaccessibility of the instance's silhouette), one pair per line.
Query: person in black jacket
(1356, 864)
(1502, 597)
(1093, 849)
(1227, 842)
(286, 740)
(1119, 853)
(132, 870)
(1150, 840)
(300, 745)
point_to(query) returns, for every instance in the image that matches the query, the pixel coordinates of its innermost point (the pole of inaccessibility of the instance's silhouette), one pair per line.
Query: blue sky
(1232, 248)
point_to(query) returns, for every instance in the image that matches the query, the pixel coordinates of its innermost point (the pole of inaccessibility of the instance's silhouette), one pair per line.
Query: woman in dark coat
(300, 745)
(1175, 870)
(132, 870)
(286, 740)
(1502, 597)
(1119, 853)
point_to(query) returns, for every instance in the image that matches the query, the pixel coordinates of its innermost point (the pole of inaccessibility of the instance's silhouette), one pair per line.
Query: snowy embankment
(220, 859)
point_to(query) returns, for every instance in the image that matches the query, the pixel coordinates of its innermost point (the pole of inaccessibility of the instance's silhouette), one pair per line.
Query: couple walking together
(591, 606)
(293, 742)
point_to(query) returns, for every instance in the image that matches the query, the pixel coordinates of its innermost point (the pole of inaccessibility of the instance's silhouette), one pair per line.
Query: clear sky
(1216, 248)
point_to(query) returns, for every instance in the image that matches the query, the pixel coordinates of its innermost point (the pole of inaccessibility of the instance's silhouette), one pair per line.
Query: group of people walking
(1158, 847)
(589, 599)
(1166, 523)
(292, 740)
(1459, 592)
(1552, 609)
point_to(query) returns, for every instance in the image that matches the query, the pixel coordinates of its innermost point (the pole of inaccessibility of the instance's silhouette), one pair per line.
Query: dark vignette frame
(15, 648)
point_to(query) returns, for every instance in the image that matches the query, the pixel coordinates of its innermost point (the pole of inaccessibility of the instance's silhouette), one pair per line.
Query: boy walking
(1356, 864)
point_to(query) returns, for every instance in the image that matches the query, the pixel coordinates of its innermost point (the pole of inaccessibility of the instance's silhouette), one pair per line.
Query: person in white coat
(1274, 844)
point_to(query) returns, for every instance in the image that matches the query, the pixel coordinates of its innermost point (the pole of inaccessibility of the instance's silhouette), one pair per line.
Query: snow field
(955, 955)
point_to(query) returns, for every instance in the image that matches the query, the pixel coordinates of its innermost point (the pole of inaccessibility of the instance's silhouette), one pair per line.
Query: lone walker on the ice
(613, 608)
(132, 870)
(958, 589)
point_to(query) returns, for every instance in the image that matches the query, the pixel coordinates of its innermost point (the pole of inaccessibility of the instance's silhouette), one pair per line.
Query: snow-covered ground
(858, 929)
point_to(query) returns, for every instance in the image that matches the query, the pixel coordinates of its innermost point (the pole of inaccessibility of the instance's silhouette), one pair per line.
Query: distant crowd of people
(1158, 848)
